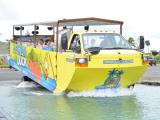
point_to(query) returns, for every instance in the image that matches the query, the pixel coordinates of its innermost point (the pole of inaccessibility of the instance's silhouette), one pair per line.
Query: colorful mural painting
(35, 63)
(112, 80)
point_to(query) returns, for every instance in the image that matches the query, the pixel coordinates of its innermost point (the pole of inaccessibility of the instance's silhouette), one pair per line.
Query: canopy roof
(77, 22)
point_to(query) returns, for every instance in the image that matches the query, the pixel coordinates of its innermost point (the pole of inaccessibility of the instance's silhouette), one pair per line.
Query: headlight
(81, 62)
(144, 60)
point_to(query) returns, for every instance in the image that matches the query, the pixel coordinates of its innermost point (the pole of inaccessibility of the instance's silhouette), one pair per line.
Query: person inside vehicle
(40, 43)
(64, 42)
(93, 43)
(76, 46)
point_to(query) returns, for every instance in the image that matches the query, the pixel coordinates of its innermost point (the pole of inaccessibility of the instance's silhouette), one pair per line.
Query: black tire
(10, 67)
(25, 78)
(131, 86)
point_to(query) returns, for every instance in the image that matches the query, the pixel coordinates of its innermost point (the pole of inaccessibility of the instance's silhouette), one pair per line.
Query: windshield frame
(116, 34)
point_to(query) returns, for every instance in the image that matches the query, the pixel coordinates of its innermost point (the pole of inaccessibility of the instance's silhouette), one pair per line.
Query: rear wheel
(25, 78)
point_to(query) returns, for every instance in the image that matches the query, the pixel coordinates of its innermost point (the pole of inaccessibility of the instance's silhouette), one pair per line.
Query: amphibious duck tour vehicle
(69, 58)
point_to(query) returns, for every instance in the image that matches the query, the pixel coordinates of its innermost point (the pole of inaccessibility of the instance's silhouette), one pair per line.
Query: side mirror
(141, 45)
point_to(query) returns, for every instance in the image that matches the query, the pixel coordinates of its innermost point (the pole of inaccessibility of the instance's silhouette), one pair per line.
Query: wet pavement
(4, 115)
(9, 74)
(151, 76)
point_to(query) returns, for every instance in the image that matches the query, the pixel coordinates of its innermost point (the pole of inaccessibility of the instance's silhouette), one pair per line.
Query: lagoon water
(31, 102)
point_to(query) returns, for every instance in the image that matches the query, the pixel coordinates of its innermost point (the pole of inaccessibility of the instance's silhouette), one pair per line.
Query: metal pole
(56, 48)
(20, 30)
(20, 34)
(57, 37)
(13, 31)
(121, 29)
(35, 34)
(53, 40)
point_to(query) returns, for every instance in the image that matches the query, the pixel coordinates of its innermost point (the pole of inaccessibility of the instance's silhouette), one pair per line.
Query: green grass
(3, 48)
(3, 62)
(3, 66)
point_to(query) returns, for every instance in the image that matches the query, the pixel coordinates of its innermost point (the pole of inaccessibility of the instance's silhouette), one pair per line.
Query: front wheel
(131, 86)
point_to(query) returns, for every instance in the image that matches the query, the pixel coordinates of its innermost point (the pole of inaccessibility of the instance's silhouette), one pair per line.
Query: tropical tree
(132, 42)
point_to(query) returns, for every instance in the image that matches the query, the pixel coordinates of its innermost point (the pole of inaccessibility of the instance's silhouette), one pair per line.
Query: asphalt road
(7, 74)
(153, 74)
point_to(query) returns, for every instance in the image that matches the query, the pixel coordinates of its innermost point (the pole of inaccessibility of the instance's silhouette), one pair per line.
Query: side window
(75, 44)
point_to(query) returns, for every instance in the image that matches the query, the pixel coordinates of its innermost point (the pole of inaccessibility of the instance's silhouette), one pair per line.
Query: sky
(141, 17)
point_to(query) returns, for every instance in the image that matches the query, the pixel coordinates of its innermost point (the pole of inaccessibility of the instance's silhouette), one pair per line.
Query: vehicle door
(66, 60)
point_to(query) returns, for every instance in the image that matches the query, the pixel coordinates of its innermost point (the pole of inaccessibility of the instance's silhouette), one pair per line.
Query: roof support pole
(53, 40)
(21, 34)
(13, 31)
(57, 27)
(35, 35)
(121, 29)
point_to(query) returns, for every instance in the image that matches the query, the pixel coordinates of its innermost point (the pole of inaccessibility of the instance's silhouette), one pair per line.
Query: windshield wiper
(94, 50)
(117, 48)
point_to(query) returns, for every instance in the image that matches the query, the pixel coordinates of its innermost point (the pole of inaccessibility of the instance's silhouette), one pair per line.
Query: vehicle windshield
(105, 41)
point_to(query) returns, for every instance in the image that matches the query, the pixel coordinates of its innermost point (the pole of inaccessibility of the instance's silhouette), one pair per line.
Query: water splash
(27, 84)
(33, 89)
(102, 93)
(35, 93)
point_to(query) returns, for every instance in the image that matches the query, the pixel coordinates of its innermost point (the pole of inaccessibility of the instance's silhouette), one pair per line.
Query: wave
(27, 84)
(102, 93)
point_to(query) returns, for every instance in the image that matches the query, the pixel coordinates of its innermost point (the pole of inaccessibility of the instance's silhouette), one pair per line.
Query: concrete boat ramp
(4, 115)
(151, 76)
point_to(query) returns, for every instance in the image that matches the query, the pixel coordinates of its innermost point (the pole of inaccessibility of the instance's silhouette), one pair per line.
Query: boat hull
(58, 72)
(97, 78)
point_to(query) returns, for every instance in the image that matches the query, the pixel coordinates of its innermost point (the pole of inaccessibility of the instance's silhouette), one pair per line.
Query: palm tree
(131, 41)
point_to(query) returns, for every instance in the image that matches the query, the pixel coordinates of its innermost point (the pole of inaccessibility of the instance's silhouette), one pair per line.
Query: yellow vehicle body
(61, 67)
(60, 71)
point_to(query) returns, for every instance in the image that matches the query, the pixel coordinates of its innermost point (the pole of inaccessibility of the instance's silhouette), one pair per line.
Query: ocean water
(26, 101)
